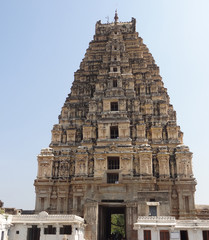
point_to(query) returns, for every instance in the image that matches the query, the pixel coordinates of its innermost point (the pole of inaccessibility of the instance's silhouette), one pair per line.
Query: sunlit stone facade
(117, 144)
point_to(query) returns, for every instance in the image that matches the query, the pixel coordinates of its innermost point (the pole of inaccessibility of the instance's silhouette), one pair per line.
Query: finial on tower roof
(116, 16)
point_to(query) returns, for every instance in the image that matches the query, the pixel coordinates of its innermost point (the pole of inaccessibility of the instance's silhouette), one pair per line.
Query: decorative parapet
(44, 217)
(171, 222)
(192, 224)
(125, 27)
(159, 218)
(46, 152)
(152, 221)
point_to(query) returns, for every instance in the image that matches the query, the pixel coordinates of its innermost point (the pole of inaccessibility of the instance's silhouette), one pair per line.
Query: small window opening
(112, 178)
(184, 235)
(66, 229)
(79, 203)
(115, 83)
(42, 203)
(152, 200)
(17, 232)
(152, 211)
(187, 204)
(113, 162)
(115, 48)
(114, 132)
(114, 106)
(50, 230)
(61, 205)
(115, 59)
(115, 69)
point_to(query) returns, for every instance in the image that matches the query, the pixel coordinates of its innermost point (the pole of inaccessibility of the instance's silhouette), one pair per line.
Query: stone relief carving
(64, 170)
(91, 167)
(44, 170)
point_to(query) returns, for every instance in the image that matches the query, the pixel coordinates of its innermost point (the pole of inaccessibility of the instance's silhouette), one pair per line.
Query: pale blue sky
(42, 43)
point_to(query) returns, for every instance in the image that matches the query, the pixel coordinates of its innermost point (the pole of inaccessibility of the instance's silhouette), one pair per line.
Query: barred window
(152, 211)
(66, 229)
(114, 132)
(112, 178)
(113, 162)
(114, 106)
(115, 83)
(50, 230)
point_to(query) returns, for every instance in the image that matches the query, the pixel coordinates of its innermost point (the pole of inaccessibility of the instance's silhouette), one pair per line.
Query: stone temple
(117, 148)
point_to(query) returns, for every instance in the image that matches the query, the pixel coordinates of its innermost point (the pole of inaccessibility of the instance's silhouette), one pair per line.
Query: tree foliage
(118, 224)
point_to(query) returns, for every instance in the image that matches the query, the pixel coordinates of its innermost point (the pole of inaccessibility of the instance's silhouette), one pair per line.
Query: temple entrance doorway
(112, 222)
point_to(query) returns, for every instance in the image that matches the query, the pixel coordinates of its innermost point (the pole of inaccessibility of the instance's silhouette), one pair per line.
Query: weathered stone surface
(117, 138)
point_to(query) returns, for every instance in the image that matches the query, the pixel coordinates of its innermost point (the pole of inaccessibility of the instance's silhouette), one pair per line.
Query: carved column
(100, 165)
(131, 218)
(91, 218)
(145, 160)
(163, 160)
(141, 132)
(183, 162)
(45, 161)
(71, 135)
(156, 133)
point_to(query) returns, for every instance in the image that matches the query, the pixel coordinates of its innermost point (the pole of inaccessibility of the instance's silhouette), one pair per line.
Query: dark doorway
(114, 132)
(205, 235)
(184, 235)
(112, 224)
(33, 233)
(147, 235)
(2, 235)
(164, 235)
(114, 106)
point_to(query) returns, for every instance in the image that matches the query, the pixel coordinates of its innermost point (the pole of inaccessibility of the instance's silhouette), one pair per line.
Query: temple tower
(117, 147)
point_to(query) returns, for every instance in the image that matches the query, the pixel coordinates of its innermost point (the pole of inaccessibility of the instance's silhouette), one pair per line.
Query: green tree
(118, 224)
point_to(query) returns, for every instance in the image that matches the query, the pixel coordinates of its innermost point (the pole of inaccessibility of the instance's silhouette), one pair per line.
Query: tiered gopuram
(117, 147)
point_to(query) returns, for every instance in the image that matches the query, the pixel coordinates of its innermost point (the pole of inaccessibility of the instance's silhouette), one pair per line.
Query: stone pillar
(141, 132)
(183, 162)
(131, 218)
(45, 160)
(41, 231)
(163, 159)
(140, 234)
(194, 234)
(57, 230)
(91, 218)
(145, 160)
(155, 233)
(156, 133)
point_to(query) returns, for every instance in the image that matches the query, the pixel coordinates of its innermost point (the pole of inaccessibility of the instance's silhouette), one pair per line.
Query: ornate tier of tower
(117, 147)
